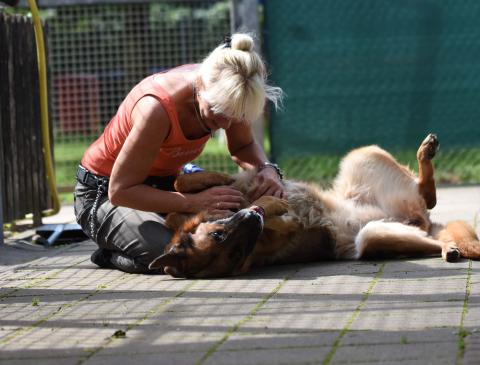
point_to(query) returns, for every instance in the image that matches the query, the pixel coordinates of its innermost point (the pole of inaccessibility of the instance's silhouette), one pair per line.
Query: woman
(125, 180)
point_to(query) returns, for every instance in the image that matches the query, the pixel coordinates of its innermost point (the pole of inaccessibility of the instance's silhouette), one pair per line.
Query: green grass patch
(459, 166)
(69, 153)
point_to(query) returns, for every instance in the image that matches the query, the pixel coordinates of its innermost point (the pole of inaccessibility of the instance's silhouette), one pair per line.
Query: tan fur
(375, 208)
(371, 186)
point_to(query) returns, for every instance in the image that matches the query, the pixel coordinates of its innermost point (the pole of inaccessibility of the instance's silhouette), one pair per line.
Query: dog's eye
(218, 235)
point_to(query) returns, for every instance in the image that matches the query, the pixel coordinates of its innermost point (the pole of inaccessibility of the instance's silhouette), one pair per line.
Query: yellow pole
(42, 73)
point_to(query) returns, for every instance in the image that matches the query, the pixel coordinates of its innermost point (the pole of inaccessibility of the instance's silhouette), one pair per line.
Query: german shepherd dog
(376, 208)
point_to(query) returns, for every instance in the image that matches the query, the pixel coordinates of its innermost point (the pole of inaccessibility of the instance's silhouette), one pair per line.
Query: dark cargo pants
(135, 234)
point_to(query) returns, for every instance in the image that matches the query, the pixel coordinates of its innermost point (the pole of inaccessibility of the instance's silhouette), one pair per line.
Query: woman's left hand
(266, 182)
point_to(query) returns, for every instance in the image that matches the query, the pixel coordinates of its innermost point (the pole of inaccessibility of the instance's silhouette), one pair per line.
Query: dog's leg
(391, 239)
(198, 181)
(284, 224)
(371, 176)
(275, 218)
(272, 206)
(426, 181)
(462, 235)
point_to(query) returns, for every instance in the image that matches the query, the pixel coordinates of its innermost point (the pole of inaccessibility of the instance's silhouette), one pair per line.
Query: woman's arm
(248, 154)
(243, 148)
(151, 126)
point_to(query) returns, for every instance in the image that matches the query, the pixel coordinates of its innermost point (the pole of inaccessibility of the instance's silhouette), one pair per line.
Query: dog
(376, 208)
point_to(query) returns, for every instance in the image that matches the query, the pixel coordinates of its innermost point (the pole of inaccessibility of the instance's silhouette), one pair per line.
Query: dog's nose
(248, 215)
(256, 215)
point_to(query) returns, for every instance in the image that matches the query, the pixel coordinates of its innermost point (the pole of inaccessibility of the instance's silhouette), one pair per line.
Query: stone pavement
(57, 308)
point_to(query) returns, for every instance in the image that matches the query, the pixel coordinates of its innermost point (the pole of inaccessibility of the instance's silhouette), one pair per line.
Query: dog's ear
(171, 258)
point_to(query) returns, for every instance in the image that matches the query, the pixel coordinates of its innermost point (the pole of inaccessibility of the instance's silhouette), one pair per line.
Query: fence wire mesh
(98, 52)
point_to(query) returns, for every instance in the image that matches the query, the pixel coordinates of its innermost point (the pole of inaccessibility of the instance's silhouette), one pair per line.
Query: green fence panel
(375, 72)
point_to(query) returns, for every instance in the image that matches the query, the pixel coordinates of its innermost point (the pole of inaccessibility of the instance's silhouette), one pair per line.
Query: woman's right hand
(216, 200)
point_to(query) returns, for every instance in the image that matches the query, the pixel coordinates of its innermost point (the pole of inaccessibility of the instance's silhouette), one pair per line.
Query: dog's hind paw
(428, 148)
(451, 254)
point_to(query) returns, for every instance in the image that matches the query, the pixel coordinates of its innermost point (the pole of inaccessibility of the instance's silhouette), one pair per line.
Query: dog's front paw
(272, 205)
(198, 181)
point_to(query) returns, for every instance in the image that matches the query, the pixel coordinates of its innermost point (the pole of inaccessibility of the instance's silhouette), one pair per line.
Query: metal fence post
(244, 18)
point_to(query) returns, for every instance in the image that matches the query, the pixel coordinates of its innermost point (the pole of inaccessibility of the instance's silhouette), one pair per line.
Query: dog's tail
(462, 234)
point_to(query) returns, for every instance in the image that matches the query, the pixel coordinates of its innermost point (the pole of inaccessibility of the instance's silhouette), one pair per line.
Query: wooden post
(1, 212)
(3, 81)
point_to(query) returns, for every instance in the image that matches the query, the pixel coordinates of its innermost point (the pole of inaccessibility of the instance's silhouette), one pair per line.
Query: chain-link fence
(354, 73)
(375, 72)
(99, 51)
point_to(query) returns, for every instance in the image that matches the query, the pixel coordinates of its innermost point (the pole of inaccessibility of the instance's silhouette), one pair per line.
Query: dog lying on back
(376, 208)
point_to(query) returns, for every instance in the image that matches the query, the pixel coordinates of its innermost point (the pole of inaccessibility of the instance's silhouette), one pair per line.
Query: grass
(69, 153)
(459, 166)
(456, 166)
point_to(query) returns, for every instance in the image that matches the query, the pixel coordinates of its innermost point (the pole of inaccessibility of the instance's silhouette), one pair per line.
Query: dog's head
(203, 248)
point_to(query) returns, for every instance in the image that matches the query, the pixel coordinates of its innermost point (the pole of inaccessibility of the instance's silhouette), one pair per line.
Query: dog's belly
(329, 223)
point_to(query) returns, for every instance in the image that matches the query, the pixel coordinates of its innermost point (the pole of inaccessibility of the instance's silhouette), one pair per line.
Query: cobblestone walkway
(58, 308)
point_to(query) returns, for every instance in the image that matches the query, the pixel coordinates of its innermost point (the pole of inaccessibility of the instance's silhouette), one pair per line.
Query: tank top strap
(154, 89)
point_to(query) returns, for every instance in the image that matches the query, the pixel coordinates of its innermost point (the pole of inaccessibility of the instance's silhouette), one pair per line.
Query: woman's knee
(140, 235)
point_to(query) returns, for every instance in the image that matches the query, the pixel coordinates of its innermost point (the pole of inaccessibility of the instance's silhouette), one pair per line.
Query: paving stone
(269, 338)
(45, 361)
(278, 356)
(406, 360)
(161, 340)
(472, 347)
(471, 321)
(425, 353)
(372, 336)
(456, 203)
(186, 358)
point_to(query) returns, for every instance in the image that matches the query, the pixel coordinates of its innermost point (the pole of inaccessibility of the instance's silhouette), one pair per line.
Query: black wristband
(273, 166)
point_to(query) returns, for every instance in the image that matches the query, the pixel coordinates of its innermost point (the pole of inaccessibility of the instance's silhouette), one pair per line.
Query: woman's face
(212, 120)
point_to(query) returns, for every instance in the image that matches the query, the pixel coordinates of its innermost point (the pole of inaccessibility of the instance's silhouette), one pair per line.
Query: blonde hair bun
(242, 42)
(234, 80)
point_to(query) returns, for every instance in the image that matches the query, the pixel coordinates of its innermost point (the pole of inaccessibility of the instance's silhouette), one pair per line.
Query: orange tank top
(175, 151)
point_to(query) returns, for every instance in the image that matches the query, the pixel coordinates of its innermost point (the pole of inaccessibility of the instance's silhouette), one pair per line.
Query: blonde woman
(125, 180)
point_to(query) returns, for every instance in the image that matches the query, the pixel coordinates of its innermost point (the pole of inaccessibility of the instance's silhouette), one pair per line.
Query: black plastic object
(51, 234)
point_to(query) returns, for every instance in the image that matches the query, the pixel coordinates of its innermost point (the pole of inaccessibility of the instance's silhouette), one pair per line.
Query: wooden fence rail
(23, 181)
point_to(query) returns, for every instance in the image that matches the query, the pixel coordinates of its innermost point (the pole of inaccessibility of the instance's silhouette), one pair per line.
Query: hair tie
(227, 40)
